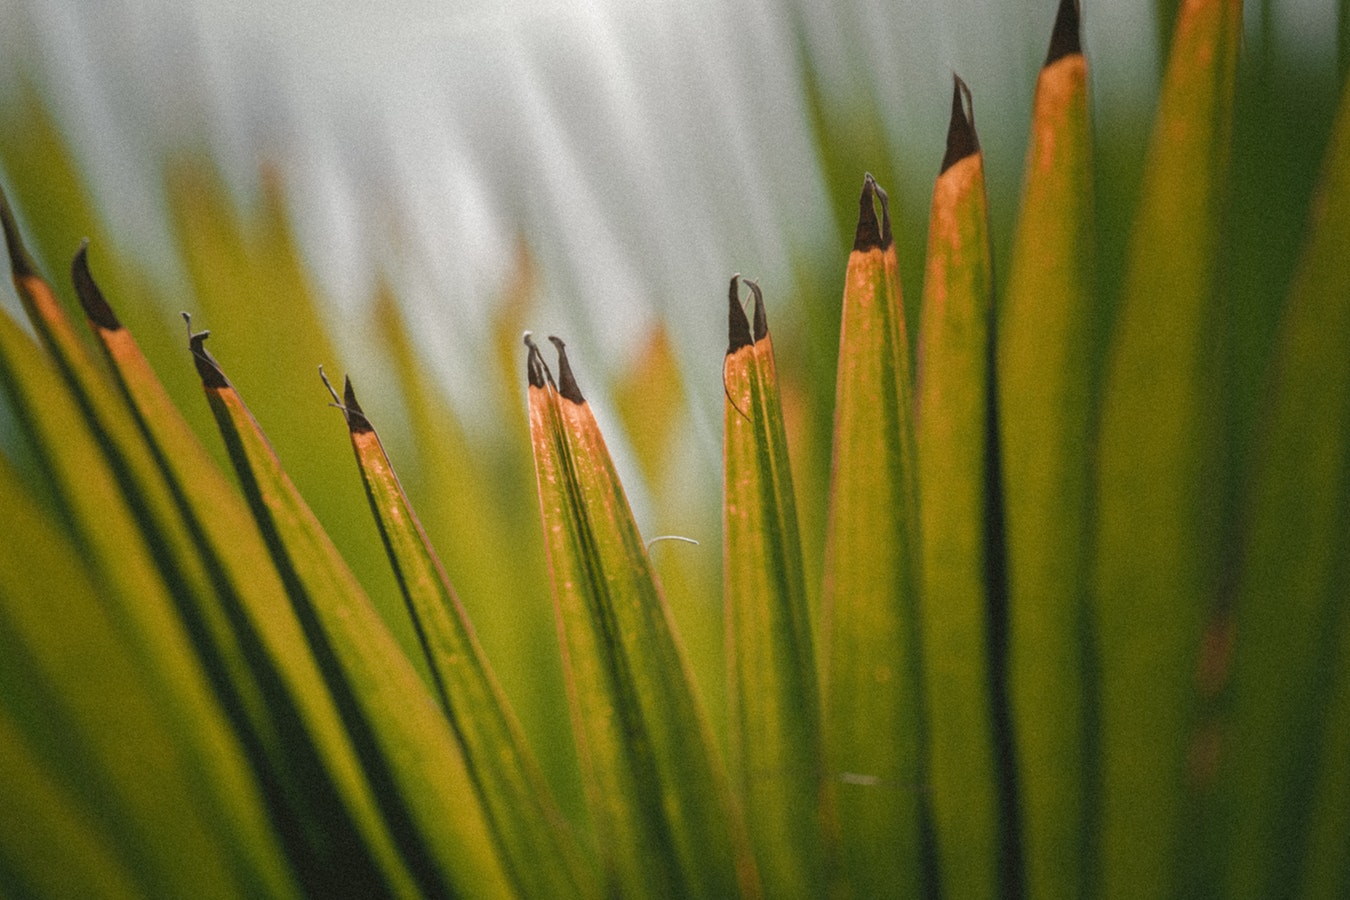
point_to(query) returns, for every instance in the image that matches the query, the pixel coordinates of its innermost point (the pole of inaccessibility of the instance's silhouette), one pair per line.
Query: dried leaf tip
(1066, 39)
(20, 262)
(536, 369)
(207, 368)
(961, 138)
(91, 298)
(738, 326)
(761, 319)
(868, 235)
(567, 383)
(357, 422)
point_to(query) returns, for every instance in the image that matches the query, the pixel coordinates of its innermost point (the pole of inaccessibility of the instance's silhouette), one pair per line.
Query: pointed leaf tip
(567, 383)
(961, 138)
(1065, 40)
(868, 235)
(91, 298)
(738, 326)
(357, 422)
(535, 369)
(20, 262)
(761, 319)
(207, 368)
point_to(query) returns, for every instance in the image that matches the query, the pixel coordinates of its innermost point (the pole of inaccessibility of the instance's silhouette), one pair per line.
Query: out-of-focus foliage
(1056, 609)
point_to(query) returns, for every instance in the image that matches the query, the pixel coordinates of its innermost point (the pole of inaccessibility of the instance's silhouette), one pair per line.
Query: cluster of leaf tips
(1036, 667)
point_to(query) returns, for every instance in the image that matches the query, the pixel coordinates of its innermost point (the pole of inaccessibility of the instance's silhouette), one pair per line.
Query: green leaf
(1281, 782)
(262, 661)
(101, 678)
(544, 858)
(873, 709)
(117, 511)
(1161, 468)
(248, 281)
(777, 752)
(662, 806)
(50, 845)
(475, 497)
(407, 747)
(1044, 376)
(963, 600)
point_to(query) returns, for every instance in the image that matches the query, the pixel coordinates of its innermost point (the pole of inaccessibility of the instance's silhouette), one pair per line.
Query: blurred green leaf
(1161, 465)
(1290, 589)
(1044, 371)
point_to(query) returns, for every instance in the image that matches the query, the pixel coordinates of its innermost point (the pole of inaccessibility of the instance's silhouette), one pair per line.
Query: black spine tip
(207, 367)
(357, 422)
(567, 382)
(91, 298)
(1066, 39)
(961, 138)
(761, 320)
(868, 235)
(738, 326)
(535, 369)
(886, 238)
(20, 263)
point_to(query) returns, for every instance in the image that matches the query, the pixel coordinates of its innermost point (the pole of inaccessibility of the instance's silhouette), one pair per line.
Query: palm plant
(1079, 627)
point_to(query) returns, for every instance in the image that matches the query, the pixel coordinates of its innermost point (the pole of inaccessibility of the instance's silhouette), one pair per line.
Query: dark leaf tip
(20, 262)
(738, 326)
(868, 235)
(567, 382)
(535, 369)
(207, 368)
(91, 298)
(1066, 39)
(357, 422)
(961, 138)
(761, 318)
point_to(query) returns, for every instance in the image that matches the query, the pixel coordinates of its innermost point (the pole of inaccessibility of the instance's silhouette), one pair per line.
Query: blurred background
(397, 189)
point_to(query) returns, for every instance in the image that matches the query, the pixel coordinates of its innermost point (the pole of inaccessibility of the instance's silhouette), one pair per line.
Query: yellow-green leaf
(777, 753)
(873, 707)
(407, 747)
(544, 858)
(263, 664)
(1044, 363)
(963, 600)
(120, 514)
(1160, 467)
(662, 805)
